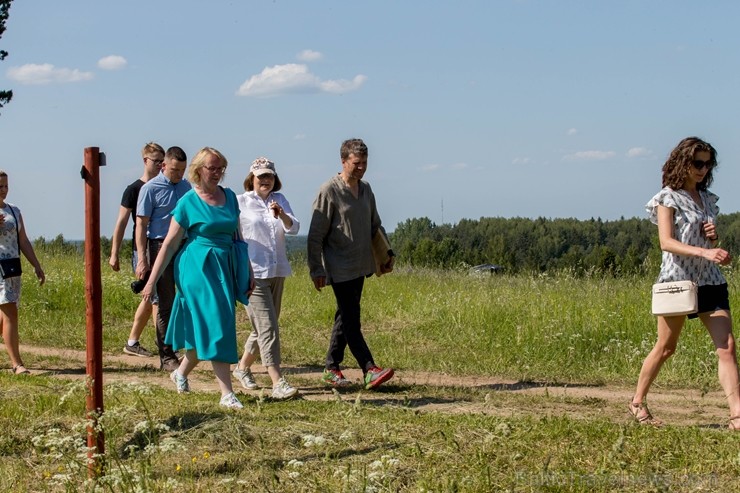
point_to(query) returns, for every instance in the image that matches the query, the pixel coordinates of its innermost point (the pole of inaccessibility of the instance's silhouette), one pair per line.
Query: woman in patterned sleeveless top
(13, 242)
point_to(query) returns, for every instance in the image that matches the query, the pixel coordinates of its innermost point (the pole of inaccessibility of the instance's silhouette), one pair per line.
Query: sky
(470, 108)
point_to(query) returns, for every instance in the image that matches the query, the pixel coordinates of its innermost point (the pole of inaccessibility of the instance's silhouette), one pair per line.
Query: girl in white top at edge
(265, 219)
(13, 242)
(685, 212)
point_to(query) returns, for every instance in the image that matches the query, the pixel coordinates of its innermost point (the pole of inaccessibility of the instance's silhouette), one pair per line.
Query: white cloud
(572, 131)
(294, 78)
(589, 156)
(309, 56)
(112, 62)
(46, 73)
(434, 167)
(299, 137)
(638, 152)
(521, 161)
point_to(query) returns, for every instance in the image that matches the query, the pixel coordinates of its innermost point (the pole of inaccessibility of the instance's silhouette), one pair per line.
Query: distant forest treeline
(624, 246)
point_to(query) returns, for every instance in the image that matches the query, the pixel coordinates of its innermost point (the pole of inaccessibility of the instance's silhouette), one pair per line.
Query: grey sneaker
(334, 378)
(230, 401)
(182, 384)
(137, 350)
(283, 391)
(246, 378)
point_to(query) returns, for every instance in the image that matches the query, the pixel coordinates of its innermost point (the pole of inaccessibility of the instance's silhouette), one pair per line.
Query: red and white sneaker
(376, 375)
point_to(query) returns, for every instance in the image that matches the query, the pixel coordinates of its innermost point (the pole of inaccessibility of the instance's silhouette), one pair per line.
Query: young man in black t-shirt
(153, 156)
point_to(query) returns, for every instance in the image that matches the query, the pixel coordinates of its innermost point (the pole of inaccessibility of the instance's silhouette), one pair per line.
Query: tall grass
(549, 328)
(557, 328)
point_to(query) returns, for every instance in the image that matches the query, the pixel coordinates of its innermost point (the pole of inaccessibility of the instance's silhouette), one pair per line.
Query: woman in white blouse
(685, 212)
(265, 219)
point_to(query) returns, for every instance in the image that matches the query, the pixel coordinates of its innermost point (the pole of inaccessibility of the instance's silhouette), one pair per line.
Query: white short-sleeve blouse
(688, 220)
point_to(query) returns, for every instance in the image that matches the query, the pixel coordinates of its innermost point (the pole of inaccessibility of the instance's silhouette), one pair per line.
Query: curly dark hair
(677, 167)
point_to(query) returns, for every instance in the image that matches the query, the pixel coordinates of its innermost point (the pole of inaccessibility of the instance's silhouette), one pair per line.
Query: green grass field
(552, 330)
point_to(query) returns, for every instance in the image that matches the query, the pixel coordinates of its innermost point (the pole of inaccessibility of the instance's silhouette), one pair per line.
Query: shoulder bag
(675, 298)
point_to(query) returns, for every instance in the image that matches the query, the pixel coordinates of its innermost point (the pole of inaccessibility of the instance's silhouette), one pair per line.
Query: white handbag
(675, 298)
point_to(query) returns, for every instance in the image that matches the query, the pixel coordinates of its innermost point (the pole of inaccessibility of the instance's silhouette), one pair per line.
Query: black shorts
(712, 298)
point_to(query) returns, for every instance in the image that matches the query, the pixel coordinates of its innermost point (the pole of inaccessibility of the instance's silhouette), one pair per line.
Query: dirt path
(416, 390)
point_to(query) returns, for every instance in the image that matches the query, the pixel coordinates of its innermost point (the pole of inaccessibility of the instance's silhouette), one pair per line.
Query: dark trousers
(166, 296)
(347, 328)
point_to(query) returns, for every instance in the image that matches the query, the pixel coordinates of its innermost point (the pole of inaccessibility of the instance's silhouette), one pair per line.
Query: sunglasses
(700, 165)
(215, 169)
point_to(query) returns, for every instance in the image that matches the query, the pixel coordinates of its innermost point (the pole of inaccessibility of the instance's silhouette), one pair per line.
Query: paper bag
(380, 247)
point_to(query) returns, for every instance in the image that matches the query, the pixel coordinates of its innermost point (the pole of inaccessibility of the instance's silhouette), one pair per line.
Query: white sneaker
(182, 384)
(230, 401)
(246, 378)
(282, 390)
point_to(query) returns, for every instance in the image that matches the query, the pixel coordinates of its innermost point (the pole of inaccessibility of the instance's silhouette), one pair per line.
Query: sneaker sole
(234, 408)
(134, 353)
(380, 380)
(337, 385)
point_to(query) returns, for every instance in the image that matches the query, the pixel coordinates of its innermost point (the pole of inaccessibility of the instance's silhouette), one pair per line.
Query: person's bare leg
(669, 330)
(141, 318)
(247, 360)
(188, 362)
(9, 313)
(223, 376)
(719, 326)
(275, 373)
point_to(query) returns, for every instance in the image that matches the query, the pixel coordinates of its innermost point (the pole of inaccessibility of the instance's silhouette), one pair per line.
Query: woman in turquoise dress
(203, 315)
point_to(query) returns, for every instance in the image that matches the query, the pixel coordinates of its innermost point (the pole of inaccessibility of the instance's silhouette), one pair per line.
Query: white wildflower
(313, 440)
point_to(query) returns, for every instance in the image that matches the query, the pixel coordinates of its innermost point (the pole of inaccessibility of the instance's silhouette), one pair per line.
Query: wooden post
(94, 310)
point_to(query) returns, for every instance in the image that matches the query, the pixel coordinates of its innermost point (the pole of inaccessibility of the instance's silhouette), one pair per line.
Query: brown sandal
(733, 426)
(642, 415)
(20, 370)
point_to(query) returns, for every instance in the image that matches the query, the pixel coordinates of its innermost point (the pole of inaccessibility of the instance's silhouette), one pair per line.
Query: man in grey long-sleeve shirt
(343, 223)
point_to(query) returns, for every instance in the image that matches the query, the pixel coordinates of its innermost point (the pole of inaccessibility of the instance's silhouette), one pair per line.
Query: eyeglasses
(699, 165)
(155, 161)
(215, 169)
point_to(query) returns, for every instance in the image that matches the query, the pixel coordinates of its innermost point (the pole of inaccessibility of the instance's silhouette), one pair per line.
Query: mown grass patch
(159, 441)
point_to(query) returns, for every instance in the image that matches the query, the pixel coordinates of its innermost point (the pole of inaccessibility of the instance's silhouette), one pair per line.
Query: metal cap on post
(94, 309)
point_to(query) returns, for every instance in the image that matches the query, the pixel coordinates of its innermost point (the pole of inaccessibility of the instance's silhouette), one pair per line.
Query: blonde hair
(151, 148)
(200, 160)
